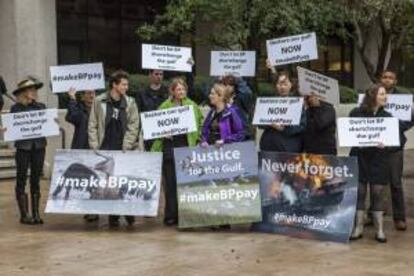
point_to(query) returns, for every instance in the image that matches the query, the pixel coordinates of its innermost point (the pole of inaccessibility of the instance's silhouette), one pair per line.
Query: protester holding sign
(178, 97)
(241, 98)
(373, 165)
(30, 153)
(319, 136)
(389, 81)
(223, 124)
(281, 138)
(78, 115)
(114, 123)
(152, 97)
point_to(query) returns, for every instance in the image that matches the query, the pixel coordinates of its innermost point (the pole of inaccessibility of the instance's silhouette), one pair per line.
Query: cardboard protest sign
(368, 132)
(31, 124)
(278, 110)
(399, 105)
(165, 57)
(105, 182)
(168, 122)
(236, 63)
(88, 76)
(217, 186)
(292, 49)
(308, 196)
(327, 89)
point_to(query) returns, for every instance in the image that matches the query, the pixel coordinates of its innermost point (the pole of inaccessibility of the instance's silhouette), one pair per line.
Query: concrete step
(7, 163)
(7, 153)
(7, 173)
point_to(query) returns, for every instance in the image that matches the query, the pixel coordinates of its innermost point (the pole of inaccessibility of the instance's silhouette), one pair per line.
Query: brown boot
(400, 225)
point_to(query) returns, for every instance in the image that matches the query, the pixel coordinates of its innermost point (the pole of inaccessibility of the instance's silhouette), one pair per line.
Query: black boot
(113, 221)
(35, 198)
(130, 220)
(23, 202)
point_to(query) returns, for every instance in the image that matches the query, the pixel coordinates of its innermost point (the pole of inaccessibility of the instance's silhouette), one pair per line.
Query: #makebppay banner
(308, 196)
(217, 186)
(105, 182)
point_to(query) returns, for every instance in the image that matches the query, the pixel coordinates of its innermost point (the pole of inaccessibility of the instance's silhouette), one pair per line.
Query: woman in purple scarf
(223, 124)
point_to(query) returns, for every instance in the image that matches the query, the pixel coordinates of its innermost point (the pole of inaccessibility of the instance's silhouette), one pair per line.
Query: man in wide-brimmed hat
(30, 153)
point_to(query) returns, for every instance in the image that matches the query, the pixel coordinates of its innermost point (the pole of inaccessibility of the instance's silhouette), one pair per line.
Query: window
(103, 30)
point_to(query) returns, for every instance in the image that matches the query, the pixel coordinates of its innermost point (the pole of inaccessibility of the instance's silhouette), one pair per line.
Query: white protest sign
(165, 57)
(327, 89)
(368, 132)
(28, 125)
(292, 49)
(400, 106)
(237, 63)
(89, 76)
(168, 122)
(278, 110)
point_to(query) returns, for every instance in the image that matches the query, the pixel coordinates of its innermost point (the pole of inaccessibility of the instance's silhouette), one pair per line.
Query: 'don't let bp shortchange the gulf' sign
(217, 186)
(30, 125)
(237, 63)
(327, 89)
(166, 57)
(368, 131)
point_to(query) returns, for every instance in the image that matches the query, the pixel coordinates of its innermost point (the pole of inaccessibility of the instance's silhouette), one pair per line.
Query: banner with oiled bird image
(105, 182)
(217, 185)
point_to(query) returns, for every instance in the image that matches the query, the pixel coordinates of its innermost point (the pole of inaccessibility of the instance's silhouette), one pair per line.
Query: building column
(28, 43)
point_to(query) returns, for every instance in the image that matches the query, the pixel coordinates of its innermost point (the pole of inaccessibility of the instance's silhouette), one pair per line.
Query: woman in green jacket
(178, 97)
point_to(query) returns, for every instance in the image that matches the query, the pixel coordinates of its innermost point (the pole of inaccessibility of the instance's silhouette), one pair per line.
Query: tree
(246, 24)
(389, 24)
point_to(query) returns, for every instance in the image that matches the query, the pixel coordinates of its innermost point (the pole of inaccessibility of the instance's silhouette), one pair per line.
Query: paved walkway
(66, 245)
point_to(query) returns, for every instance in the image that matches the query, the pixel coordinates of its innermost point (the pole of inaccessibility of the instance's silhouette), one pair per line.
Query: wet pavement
(66, 245)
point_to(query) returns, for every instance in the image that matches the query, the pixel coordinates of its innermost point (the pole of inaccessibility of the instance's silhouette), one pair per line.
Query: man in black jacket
(152, 97)
(389, 81)
(319, 136)
(29, 153)
(78, 116)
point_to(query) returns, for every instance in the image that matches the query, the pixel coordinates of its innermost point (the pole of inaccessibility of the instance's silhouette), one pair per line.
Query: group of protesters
(110, 121)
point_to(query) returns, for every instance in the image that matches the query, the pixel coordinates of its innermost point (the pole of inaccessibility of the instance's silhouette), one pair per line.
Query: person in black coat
(30, 153)
(152, 97)
(78, 115)
(319, 135)
(373, 165)
(389, 81)
(281, 138)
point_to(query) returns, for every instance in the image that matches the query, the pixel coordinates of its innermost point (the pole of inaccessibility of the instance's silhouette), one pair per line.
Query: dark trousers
(396, 185)
(170, 189)
(26, 159)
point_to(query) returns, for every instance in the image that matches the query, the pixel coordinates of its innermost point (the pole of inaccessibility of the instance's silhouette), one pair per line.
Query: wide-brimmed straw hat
(26, 84)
